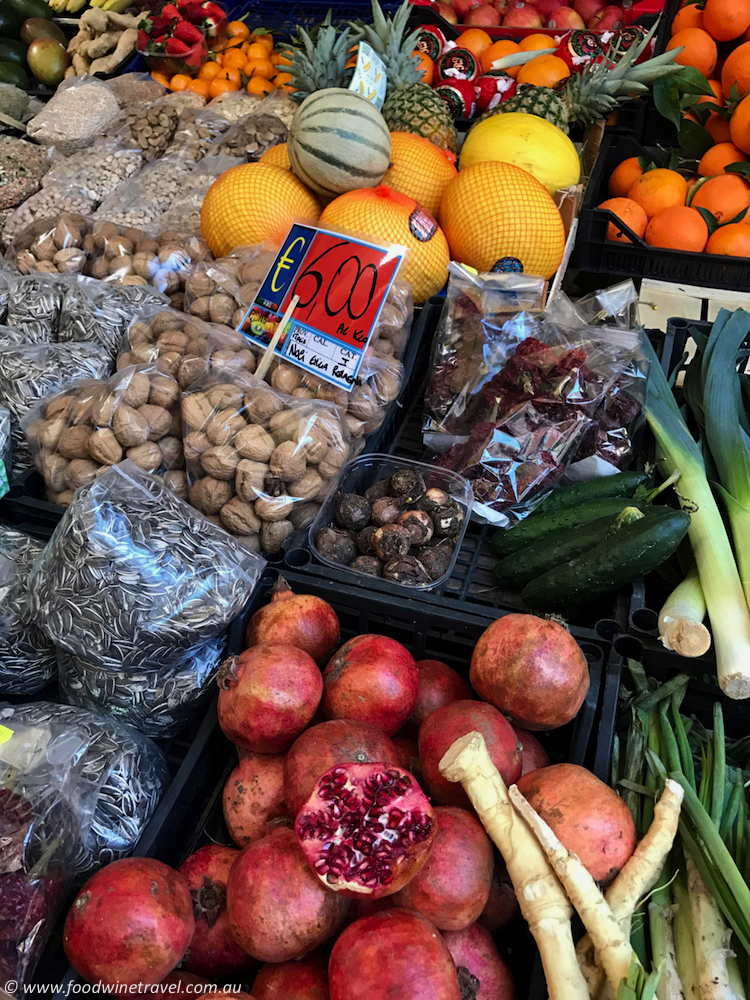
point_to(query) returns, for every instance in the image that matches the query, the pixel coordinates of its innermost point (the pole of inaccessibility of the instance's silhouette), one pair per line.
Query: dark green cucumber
(538, 527)
(13, 51)
(11, 72)
(622, 484)
(633, 549)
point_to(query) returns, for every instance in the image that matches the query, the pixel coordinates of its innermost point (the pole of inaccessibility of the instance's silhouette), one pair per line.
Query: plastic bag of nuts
(99, 170)
(149, 194)
(184, 213)
(198, 132)
(226, 287)
(253, 454)
(77, 433)
(53, 200)
(251, 136)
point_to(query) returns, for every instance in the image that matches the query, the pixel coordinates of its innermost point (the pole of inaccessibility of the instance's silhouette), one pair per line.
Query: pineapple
(319, 65)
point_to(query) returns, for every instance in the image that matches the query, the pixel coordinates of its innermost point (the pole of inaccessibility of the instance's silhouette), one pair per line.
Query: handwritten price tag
(341, 284)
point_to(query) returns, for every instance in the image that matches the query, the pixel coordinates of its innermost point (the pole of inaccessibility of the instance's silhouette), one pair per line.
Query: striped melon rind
(339, 142)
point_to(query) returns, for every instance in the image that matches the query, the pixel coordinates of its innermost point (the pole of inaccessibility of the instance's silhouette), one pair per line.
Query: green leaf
(667, 100)
(742, 167)
(710, 219)
(702, 112)
(692, 81)
(674, 160)
(738, 218)
(694, 138)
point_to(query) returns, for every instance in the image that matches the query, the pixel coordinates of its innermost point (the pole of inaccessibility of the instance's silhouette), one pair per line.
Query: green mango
(37, 27)
(47, 60)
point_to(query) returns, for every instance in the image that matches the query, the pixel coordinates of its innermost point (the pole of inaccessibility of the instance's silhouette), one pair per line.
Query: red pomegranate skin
(532, 669)
(439, 685)
(453, 887)
(588, 816)
(131, 923)
(502, 905)
(394, 955)
(533, 754)
(340, 741)
(254, 795)
(301, 620)
(213, 951)
(473, 948)
(269, 697)
(306, 979)
(441, 729)
(278, 909)
(372, 679)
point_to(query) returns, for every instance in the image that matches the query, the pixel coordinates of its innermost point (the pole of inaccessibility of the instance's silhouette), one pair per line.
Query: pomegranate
(320, 747)
(474, 952)
(254, 795)
(444, 727)
(453, 887)
(306, 979)
(267, 696)
(609, 19)
(533, 754)
(439, 685)
(365, 906)
(213, 950)
(521, 15)
(502, 906)
(408, 754)
(373, 679)
(278, 909)
(565, 19)
(588, 816)
(532, 669)
(396, 953)
(366, 829)
(300, 620)
(131, 923)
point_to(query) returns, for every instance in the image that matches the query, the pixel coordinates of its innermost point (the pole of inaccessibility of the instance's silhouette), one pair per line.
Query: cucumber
(635, 548)
(11, 72)
(540, 526)
(13, 51)
(622, 484)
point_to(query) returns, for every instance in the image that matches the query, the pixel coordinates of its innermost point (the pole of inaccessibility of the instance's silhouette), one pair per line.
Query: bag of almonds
(78, 433)
(253, 454)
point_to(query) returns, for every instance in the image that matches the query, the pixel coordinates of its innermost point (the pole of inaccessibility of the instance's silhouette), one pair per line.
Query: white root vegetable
(540, 896)
(681, 625)
(612, 946)
(711, 941)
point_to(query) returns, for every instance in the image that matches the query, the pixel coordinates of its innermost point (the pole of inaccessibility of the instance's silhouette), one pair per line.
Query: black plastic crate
(287, 16)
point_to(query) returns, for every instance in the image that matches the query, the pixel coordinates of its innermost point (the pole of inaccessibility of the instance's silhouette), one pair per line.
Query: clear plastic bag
(55, 199)
(28, 660)
(120, 777)
(159, 699)
(34, 303)
(148, 195)
(235, 104)
(133, 573)
(184, 212)
(615, 306)
(199, 131)
(98, 170)
(253, 453)
(5, 451)
(75, 116)
(251, 136)
(8, 274)
(222, 290)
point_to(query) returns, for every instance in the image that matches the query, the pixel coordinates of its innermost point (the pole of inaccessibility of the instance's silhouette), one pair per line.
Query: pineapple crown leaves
(320, 64)
(386, 36)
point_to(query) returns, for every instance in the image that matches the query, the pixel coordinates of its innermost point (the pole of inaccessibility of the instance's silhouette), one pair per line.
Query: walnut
(66, 234)
(220, 461)
(107, 231)
(135, 389)
(272, 536)
(147, 456)
(201, 307)
(45, 249)
(169, 363)
(103, 408)
(65, 498)
(224, 395)
(173, 340)
(284, 426)
(196, 410)
(199, 284)
(246, 359)
(74, 442)
(249, 479)
(133, 279)
(308, 486)
(191, 370)
(287, 463)
(172, 455)
(273, 508)
(33, 432)
(131, 429)
(104, 447)
(80, 410)
(355, 427)
(332, 394)
(50, 437)
(224, 426)
(118, 246)
(120, 267)
(254, 442)
(99, 268)
(165, 320)
(167, 281)
(177, 483)
(54, 473)
(251, 542)
(303, 393)
(221, 308)
(58, 405)
(313, 444)
(262, 404)
(209, 495)
(144, 264)
(239, 517)
(46, 267)
(286, 378)
(195, 444)
(26, 262)
(70, 260)
(364, 402)
(159, 420)
(141, 333)
(80, 472)
(175, 424)
(165, 391)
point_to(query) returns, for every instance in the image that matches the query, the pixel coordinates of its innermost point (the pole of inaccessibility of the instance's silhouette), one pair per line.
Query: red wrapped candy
(457, 64)
(578, 48)
(459, 96)
(492, 88)
(431, 41)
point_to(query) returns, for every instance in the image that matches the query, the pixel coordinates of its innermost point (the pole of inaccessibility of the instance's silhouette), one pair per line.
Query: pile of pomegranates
(358, 870)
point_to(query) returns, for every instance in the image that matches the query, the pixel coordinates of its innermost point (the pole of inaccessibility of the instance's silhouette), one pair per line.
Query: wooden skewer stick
(265, 361)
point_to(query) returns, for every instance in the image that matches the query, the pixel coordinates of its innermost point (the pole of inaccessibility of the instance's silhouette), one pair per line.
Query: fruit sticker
(578, 48)
(422, 225)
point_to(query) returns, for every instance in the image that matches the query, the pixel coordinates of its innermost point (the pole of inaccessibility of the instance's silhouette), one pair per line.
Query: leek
(681, 625)
(725, 598)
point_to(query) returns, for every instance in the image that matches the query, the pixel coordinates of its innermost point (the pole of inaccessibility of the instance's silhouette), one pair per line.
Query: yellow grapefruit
(277, 156)
(419, 170)
(253, 203)
(387, 216)
(498, 217)
(528, 142)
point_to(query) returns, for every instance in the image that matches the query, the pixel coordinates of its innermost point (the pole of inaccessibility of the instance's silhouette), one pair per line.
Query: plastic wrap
(28, 660)
(199, 129)
(148, 195)
(223, 290)
(34, 303)
(133, 573)
(75, 116)
(100, 312)
(252, 135)
(52, 200)
(120, 777)
(159, 699)
(614, 306)
(8, 274)
(253, 453)
(98, 170)
(28, 374)
(5, 451)
(184, 213)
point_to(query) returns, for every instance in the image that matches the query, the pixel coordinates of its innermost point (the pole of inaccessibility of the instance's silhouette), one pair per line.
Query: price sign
(341, 284)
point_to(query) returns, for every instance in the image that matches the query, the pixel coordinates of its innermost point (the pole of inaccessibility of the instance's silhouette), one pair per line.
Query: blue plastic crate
(286, 16)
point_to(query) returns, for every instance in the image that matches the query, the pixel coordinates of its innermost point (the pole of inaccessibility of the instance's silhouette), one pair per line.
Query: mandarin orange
(624, 176)
(718, 157)
(658, 189)
(731, 241)
(628, 212)
(678, 228)
(698, 50)
(725, 196)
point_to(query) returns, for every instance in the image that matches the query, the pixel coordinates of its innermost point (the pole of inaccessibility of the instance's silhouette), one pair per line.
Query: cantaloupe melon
(338, 142)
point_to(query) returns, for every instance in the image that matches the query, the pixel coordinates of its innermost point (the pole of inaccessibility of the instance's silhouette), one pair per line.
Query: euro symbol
(286, 262)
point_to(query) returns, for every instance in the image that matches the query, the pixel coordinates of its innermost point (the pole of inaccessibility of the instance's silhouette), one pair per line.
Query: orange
(630, 213)
(624, 176)
(717, 99)
(262, 38)
(533, 42)
(220, 86)
(260, 67)
(252, 203)
(678, 228)
(656, 190)
(257, 51)
(238, 29)
(718, 127)
(259, 85)
(497, 217)
(725, 196)
(209, 70)
(689, 17)
(279, 59)
(202, 87)
(732, 240)
(234, 59)
(725, 20)
(718, 157)
(419, 169)
(230, 76)
(427, 67)
(737, 71)
(476, 41)
(739, 125)
(699, 50)
(496, 51)
(160, 78)
(180, 82)
(544, 71)
(277, 156)
(283, 81)
(388, 216)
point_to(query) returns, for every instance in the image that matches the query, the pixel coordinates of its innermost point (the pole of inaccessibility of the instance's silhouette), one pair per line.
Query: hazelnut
(104, 447)
(262, 404)
(195, 444)
(272, 536)
(135, 389)
(177, 483)
(308, 486)
(239, 517)
(249, 479)
(254, 442)
(164, 391)
(273, 508)
(287, 463)
(54, 473)
(209, 495)
(80, 472)
(147, 456)
(74, 442)
(159, 420)
(221, 461)
(131, 429)
(224, 426)
(196, 410)
(286, 378)
(172, 455)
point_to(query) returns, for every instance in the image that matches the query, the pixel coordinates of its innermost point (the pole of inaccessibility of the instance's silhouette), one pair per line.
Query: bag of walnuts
(254, 454)
(222, 290)
(78, 433)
